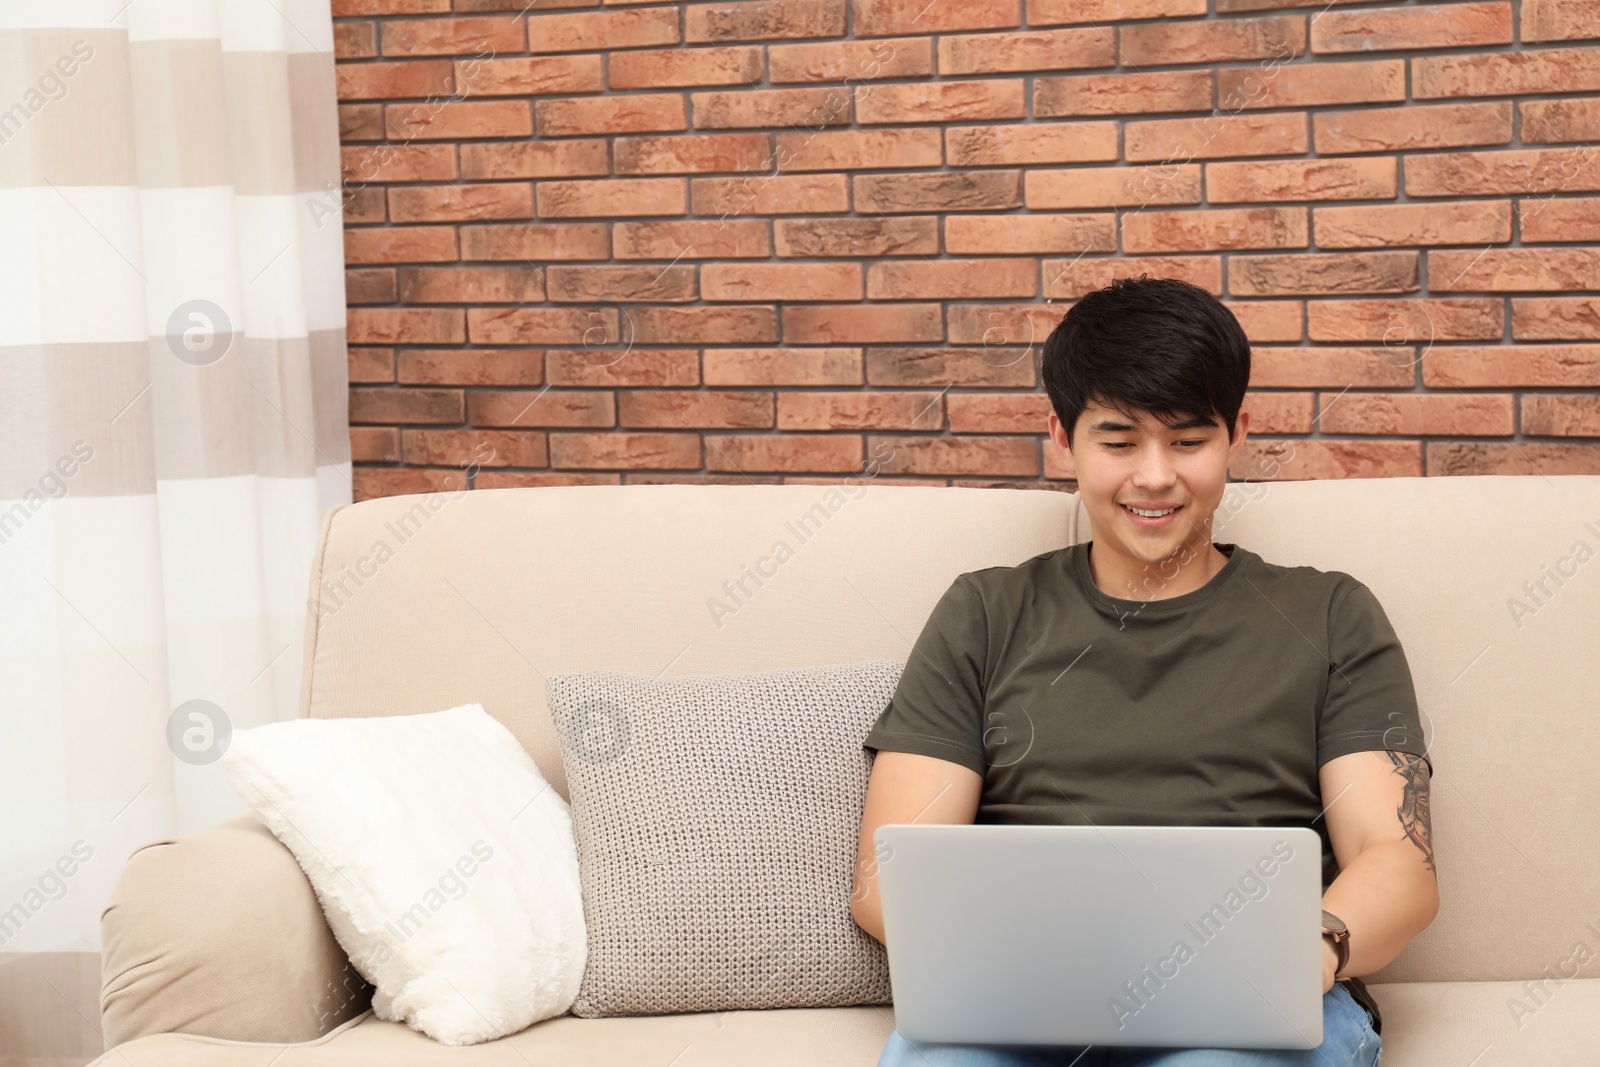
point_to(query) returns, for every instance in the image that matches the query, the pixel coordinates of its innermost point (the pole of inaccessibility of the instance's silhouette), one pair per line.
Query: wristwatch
(1334, 927)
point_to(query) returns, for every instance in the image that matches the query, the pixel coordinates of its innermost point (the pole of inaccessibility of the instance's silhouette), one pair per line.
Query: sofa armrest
(218, 933)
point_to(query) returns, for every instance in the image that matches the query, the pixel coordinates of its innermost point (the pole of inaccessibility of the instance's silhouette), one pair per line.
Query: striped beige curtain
(172, 430)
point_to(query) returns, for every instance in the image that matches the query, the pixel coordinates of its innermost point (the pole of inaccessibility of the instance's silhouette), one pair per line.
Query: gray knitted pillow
(716, 820)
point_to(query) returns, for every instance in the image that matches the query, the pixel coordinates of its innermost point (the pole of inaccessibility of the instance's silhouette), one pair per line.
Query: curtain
(173, 428)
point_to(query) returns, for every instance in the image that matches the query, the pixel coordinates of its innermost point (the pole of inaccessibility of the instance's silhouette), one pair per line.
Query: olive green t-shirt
(1213, 707)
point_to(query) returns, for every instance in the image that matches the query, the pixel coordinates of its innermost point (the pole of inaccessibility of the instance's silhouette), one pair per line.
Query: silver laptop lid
(1203, 937)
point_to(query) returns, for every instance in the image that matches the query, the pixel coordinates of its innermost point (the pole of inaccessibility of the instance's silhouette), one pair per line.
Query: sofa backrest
(425, 602)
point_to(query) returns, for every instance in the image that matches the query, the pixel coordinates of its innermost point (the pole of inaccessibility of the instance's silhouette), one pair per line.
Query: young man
(1152, 677)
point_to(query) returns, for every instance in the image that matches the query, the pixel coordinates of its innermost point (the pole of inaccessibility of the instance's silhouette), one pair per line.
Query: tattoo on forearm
(1413, 810)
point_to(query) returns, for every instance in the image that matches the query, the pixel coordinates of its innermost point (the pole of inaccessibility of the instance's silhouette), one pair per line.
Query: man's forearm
(1387, 896)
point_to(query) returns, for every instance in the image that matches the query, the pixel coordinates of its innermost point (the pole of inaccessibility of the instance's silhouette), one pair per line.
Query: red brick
(1560, 20)
(723, 325)
(536, 159)
(398, 163)
(1262, 459)
(360, 122)
(371, 482)
(762, 194)
(1555, 318)
(1213, 230)
(452, 37)
(765, 108)
(861, 411)
(1266, 321)
(783, 366)
(781, 281)
(987, 367)
(590, 284)
(1311, 179)
(879, 18)
(693, 154)
(632, 451)
(449, 120)
(660, 69)
(363, 204)
(941, 101)
(471, 285)
(996, 413)
(1216, 136)
(354, 40)
(390, 406)
(1391, 129)
(1483, 457)
(1545, 70)
(400, 244)
(1313, 274)
(859, 149)
(1513, 269)
(1113, 186)
(441, 447)
(1537, 170)
(616, 196)
(1559, 121)
(634, 366)
(985, 454)
(1417, 414)
(1430, 26)
(433, 203)
(1003, 326)
(1559, 219)
(1056, 12)
(536, 241)
(1332, 368)
(783, 452)
(693, 409)
(599, 31)
(830, 324)
(541, 326)
(1071, 278)
(988, 235)
(914, 279)
(472, 366)
(994, 53)
(1152, 44)
(1378, 226)
(532, 76)
(693, 239)
(1406, 321)
(374, 444)
(1366, 82)
(369, 286)
(762, 20)
(853, 61)
(1122, 94)
(370, 364)
(1472, 367)
(904, 235)
(627, 113)
(1561, 416)
(389, 81)
(388, 326)
(351, 8)
(1015, 144)
(524, 480)
(541, 407)
(949, 191)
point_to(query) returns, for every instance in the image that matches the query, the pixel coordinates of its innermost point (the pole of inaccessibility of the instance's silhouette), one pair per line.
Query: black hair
(1158, 345)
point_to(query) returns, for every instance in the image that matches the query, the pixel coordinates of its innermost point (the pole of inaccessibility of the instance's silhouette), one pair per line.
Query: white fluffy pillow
(442, 858)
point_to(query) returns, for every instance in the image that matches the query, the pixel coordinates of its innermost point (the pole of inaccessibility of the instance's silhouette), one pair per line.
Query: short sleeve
(1371, 703)
(937, 706)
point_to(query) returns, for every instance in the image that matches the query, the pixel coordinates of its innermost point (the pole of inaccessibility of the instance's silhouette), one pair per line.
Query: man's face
(1142, 462)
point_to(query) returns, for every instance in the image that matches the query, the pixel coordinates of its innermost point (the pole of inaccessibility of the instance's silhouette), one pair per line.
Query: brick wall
(802, 239)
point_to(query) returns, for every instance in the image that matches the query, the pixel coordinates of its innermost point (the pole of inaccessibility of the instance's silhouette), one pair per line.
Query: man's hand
(1330, 962)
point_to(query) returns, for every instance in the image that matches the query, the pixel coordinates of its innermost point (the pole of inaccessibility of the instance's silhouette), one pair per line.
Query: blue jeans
(1348, 1040)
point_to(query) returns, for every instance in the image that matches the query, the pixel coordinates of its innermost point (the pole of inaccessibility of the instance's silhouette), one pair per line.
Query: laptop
(1170, 936)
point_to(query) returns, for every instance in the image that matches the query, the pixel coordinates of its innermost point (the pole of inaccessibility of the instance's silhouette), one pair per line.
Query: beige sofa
(216, 952)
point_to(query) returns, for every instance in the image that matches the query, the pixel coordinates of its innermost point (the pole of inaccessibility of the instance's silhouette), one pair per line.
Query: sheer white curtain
(172, 430)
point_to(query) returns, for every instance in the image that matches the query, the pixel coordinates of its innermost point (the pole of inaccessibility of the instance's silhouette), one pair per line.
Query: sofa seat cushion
(1425, 1024)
